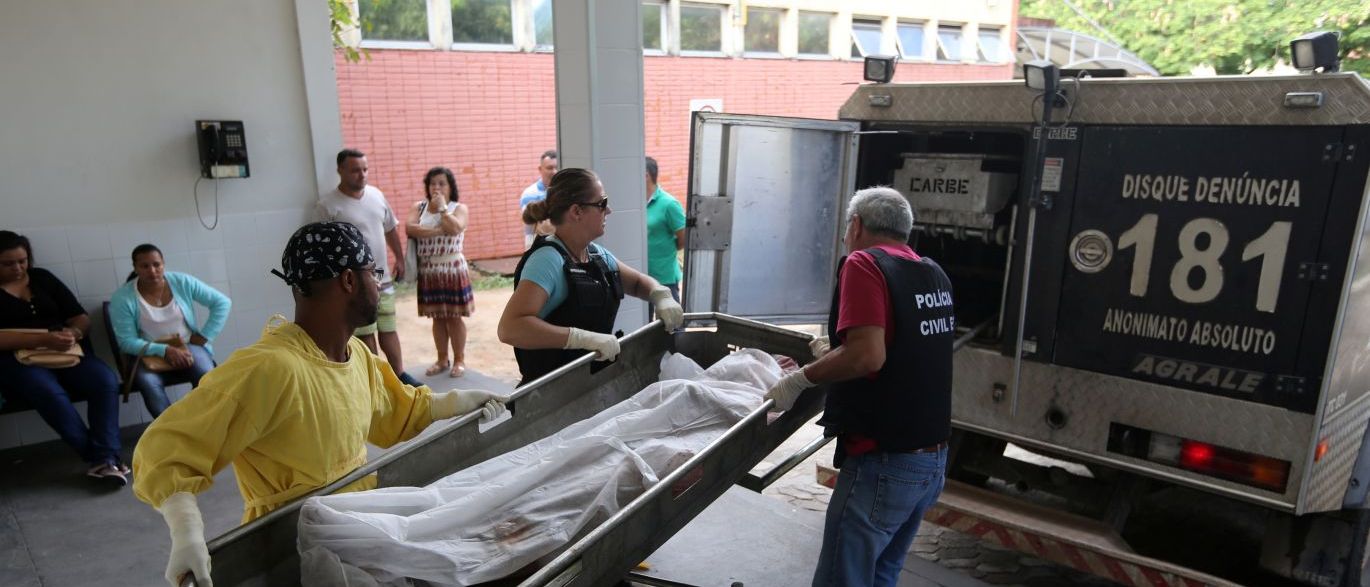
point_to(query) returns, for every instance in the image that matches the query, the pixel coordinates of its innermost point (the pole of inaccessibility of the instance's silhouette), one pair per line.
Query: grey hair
(883, 211)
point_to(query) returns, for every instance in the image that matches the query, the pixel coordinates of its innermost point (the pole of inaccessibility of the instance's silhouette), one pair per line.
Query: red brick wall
(488, 116)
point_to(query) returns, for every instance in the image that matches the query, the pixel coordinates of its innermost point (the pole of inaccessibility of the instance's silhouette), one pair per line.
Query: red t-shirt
(865, 301)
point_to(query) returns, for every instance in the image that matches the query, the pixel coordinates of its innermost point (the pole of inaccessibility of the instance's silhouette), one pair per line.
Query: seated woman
(154, 306)
(33, 298)
(566, 288)
(439, 224)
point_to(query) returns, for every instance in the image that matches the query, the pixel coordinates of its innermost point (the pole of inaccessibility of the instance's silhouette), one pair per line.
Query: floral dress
(444, 282)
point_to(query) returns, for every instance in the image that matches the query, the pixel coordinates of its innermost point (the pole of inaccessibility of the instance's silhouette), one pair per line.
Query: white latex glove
(188, 550)
(785, 391)
(605, 346)
(450, 404)
(819, 347)
(666, 307)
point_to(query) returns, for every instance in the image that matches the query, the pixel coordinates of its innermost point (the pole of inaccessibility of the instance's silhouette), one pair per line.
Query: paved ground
(949, 549)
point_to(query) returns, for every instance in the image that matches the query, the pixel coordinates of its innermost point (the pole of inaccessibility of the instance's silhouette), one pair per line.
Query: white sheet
(492, 519)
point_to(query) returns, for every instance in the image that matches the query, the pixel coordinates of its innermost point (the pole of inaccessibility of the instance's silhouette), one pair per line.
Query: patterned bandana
(322, 250)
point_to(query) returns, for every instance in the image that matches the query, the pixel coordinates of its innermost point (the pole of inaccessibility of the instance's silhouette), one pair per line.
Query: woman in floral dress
(438, 223)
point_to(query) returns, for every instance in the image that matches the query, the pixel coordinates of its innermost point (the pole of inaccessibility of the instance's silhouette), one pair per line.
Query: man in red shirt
(889, 398)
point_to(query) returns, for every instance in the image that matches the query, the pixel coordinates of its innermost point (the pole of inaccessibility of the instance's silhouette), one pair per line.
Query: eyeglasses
(377, 272)
(602, 204)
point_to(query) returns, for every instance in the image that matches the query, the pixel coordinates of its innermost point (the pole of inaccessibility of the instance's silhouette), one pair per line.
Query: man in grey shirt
(364, 206)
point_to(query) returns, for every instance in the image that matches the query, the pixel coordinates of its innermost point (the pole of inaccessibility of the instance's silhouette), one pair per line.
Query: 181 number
(1269, 247)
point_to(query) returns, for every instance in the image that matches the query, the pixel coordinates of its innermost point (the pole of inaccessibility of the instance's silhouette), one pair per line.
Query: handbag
(45, 357)
(156, 364)
(152, 363)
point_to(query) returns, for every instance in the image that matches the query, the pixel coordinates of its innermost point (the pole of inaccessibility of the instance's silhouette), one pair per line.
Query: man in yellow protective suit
(293, 412)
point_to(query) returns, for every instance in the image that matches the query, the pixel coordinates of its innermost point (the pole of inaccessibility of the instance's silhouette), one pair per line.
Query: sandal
(437, 367)
(107, 473)
(458, 370)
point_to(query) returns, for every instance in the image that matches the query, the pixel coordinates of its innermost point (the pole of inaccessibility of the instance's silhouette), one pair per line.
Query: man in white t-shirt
(364, 206)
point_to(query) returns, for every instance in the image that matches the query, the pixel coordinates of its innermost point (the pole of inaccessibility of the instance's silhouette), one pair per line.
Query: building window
(949, 43)
(542, 24)
(701, 28)
(814, 28)
(394, 20)
(482, 22)
(654, 27)
(865, 38)
(762, 34)
(991, 46)
(911, 40)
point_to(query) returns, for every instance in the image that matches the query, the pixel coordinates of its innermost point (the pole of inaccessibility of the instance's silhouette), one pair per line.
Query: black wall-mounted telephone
(223, 148)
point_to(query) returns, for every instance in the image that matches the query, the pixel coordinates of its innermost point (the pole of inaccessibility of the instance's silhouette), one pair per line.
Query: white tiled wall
(235, 258)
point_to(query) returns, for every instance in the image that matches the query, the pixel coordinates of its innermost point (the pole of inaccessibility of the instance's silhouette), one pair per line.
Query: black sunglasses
(602, 204)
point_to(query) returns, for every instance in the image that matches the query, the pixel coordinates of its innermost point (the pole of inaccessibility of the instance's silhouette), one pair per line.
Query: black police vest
(592, 297)
(908, 405)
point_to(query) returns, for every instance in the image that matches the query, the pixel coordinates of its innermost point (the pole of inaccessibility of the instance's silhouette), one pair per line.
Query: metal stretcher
(263, 551)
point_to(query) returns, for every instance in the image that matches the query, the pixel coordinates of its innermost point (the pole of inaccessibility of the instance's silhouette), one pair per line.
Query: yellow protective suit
(289, 420)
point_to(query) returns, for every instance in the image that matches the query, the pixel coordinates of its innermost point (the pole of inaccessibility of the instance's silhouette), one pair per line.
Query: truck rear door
(1193, 253)
(764, 214)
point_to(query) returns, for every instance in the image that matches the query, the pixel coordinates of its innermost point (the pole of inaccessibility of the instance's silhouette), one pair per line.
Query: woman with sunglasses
(567, 288)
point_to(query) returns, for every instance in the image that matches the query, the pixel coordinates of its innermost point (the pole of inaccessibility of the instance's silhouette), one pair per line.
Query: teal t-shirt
(665, 216)
(547, 268)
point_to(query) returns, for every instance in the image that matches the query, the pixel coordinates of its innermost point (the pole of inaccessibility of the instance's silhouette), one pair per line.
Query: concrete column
(789, 32)
(889, 31)
(440, 24)
(930, 40)
(599, 119)
(839, 34)
(970, 42)
(320, 88)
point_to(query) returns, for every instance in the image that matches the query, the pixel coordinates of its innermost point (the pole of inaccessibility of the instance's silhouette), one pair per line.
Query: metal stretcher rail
(613, 548)
(263, 552)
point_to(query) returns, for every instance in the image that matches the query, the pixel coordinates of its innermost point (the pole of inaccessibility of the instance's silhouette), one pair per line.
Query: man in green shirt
(665, 233)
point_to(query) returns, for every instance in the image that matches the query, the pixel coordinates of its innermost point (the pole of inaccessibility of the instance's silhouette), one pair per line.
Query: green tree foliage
(762, 33)
(1233, 36)
(813, 33)
(482, 21)
(651, 27)
(340, 20)
(542, 23)
(701, 28)
(394, 20)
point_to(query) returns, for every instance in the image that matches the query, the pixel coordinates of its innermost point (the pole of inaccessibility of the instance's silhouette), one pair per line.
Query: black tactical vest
(592, 297)
(908, 405)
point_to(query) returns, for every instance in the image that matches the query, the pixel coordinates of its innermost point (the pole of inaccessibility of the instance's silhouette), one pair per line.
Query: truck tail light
(1200, 457)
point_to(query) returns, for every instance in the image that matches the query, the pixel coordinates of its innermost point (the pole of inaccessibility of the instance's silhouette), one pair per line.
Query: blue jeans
(48, 391)
(874, 514)
(153, 385)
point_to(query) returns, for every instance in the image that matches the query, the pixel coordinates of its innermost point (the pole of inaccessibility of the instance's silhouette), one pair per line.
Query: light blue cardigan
(123, 312)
